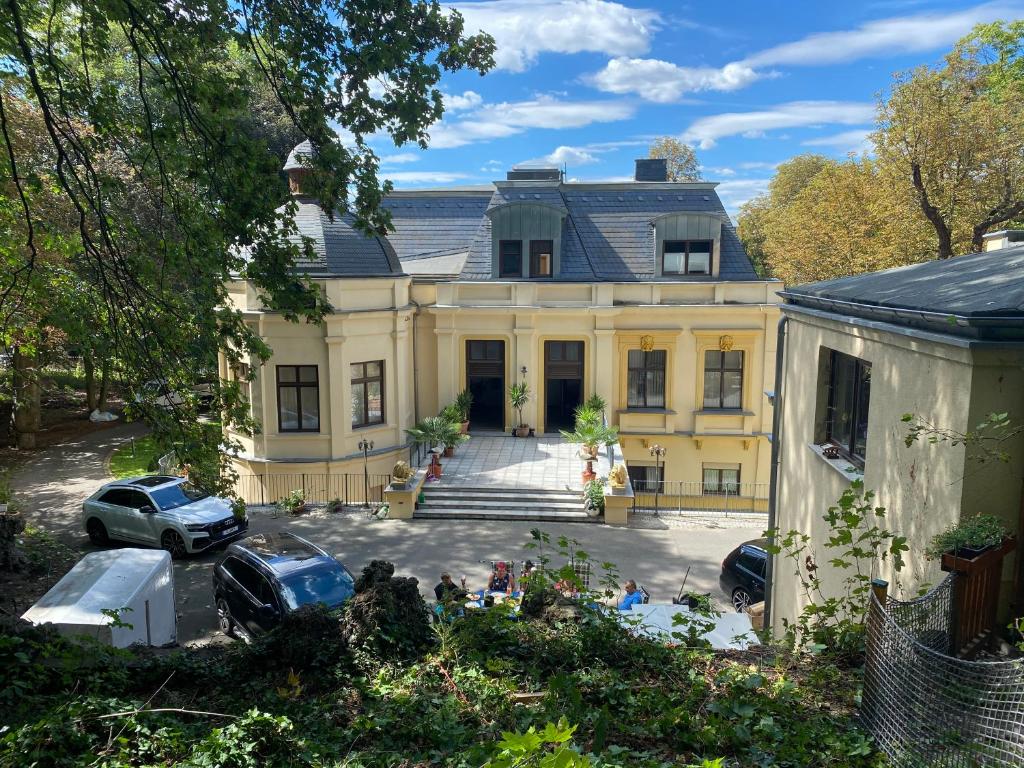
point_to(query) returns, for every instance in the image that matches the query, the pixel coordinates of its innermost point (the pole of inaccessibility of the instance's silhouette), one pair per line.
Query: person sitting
(446, 591)
(501, 579)
(633, 596)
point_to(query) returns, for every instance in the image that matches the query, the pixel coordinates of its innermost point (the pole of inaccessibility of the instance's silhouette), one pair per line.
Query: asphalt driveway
(656, 553)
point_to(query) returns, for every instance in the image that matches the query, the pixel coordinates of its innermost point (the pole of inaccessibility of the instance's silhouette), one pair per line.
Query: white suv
(165, 512)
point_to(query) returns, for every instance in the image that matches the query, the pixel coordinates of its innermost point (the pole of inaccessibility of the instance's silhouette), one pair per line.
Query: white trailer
(140, 580)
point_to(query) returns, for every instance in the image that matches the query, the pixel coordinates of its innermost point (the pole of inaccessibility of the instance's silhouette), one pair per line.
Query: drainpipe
(415, 369)
(773, 487)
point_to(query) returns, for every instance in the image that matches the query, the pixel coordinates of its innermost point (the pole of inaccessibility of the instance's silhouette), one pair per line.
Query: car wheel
(97, 532)
(741, 600)
(173, 543)
(224, 621)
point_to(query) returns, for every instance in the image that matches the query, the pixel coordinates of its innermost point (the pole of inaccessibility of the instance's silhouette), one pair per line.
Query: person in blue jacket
(633, 596)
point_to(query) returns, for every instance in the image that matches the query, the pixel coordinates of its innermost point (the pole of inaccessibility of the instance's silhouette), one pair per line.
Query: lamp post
(366, 446)
(659, 456)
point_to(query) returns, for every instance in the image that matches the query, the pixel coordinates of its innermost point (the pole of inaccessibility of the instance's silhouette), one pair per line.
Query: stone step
(580, 516)
(496, 505)
(510, 497)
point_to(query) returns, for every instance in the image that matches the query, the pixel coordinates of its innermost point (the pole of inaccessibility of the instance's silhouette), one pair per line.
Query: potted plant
(590, 434)
(596, 403)
(294, 503)
(401, 473)
(451, 436)
(430, 431)
(593, 497)
(463, 403)
(518, 397)
(968, 538)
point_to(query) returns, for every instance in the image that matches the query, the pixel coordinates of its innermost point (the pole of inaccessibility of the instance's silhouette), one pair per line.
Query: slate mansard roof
(607, 230)
(979, 295)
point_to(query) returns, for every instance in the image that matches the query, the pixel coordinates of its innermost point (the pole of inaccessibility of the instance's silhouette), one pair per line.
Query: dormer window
(510, 258)
(540, 257)
(686, 257)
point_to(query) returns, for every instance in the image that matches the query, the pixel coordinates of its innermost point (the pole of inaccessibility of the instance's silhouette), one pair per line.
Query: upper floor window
(849, 390)
(646, 379)
(367, 393)
(540, 257)
(686, 257)
(510, 258)
(298, 398)
(723, 379)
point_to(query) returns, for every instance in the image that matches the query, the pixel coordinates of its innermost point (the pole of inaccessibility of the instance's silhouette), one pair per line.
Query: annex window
(510, 258)
(686, 257)
(721, 480)
(723, 379)
(646, 379)
(846, 420)
(367, 394)
(298, 398)
(540, 257)
(646, 479)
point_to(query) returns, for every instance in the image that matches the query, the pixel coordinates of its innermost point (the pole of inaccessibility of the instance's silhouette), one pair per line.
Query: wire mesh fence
(926, 707)
(318, 488)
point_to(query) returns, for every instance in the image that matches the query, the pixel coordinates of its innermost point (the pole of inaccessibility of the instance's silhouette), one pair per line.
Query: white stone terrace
(502, 461)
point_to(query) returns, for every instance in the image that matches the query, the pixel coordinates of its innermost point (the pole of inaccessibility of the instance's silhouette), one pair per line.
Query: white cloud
(454, 102)
(495, 121)
(400, 158)
(707, 130)
(852, 141)
(885, 37)
(735, 193)
(665, 82)
(719, 172)
(569, 156)
(523, 29)
(424, 177)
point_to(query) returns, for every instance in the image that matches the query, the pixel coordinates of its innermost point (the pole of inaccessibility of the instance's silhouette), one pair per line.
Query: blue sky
(588, 83)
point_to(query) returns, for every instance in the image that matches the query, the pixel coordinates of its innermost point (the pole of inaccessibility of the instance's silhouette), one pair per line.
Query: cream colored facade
(951, 382)
(374, 319)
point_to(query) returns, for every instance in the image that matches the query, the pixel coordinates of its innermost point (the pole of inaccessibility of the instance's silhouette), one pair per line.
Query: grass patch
(124, 464)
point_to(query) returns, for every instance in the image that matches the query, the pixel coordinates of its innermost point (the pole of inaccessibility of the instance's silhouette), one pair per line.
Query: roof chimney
(651, 169)
(1004, 238)
(534, 174)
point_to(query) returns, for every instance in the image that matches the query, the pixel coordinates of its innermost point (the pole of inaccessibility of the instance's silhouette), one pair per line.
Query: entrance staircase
(467, 503)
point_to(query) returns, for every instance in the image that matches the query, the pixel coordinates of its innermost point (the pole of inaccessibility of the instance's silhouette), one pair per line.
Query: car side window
(114, 496)
(253, 581)
(137, 500)
(751, 562)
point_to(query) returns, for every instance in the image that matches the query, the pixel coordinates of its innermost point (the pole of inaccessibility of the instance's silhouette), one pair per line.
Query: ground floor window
(298, 398)
(721, 479)
(367, 393)
(646, 479)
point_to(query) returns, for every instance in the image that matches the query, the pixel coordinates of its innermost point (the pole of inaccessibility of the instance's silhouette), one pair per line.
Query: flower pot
(449, 451)
(435, 465)
(589, 473)
(522, 431)
(589, 450)
(464, 427)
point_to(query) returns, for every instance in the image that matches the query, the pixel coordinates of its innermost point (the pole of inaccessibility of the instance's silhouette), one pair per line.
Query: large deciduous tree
(163, 124)
(682, 160)
(956, 134)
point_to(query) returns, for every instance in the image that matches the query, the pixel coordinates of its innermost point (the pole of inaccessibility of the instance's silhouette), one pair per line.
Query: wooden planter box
(976, 596)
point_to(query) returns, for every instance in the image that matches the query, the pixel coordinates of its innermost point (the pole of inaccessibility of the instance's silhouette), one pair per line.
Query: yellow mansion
(638, 291)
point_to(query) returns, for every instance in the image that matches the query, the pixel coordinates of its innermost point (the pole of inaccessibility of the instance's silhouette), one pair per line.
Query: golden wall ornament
(646, 343)
(725, 343)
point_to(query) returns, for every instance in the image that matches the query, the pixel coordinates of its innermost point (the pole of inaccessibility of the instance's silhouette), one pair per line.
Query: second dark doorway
(563, 383)
(485, 378)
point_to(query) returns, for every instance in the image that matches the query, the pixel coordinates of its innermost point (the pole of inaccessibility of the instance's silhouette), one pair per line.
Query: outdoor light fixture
(366, 446)
(523, 370)
(659, 456)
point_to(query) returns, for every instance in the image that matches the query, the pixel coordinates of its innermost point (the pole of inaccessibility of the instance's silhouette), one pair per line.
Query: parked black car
(742, 576)
(262, 577)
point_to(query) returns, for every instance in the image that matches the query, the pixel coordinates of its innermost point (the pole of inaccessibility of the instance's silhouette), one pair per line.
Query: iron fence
(680, 496)
(318, 488)
(926, 707)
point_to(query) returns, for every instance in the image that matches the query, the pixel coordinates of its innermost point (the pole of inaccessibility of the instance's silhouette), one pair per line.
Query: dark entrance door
(485, 378)
(563, 383)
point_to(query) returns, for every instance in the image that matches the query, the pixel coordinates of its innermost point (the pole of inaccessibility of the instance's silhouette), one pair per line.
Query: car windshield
(331, 586)
(174, 496)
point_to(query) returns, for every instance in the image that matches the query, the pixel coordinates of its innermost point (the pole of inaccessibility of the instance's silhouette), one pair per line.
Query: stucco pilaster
(337, 385)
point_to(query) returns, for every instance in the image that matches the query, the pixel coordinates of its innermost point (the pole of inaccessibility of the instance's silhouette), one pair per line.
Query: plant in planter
(335, 505)
(463, 403)
(590, 434)
(596, 403)
(401, 473)
(431, 431)
(593, 497)
(294, 503)
(238, 509)
(451, 413)
(518, 397)
(968, 538)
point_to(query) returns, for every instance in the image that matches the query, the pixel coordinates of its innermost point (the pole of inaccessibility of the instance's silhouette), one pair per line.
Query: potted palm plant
(463, 403)
(589, 434)
(518, 397)
(430, 431)
(451, 436)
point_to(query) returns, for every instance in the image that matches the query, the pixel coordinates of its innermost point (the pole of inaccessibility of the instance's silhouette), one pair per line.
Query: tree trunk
(27, 400)
(101, 402)
(91, 395)
(945, 250)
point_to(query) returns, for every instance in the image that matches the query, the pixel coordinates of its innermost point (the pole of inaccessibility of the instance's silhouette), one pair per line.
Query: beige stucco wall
(420, 331)
(923, 487)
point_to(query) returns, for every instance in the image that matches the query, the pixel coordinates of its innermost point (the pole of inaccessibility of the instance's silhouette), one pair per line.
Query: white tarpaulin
(141, 580)
(730, 631)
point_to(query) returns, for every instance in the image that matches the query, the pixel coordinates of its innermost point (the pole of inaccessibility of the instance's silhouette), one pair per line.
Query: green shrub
(978, 532)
